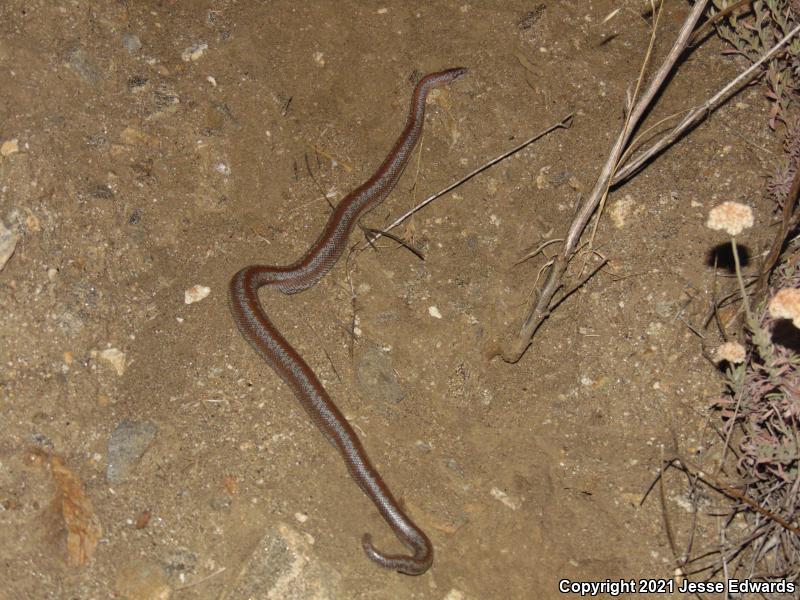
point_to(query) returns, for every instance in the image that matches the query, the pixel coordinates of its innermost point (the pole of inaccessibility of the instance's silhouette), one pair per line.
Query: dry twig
(789, 220)
(706, 27)
(542, 308)
(694, 116)
(732, 492)
(562, 124)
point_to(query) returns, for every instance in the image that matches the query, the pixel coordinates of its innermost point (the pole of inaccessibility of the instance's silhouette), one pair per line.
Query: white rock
(196, 293)
(512, 503)
(9, 147)
(193, 53)
(116, 358)
(8, 242)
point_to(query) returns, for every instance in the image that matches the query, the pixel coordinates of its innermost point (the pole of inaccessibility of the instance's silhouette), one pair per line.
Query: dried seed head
(731, 217)
(733, 352)
(786, 305)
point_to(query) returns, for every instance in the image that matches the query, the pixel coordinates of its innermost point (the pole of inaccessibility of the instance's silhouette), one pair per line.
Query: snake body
(258, 330)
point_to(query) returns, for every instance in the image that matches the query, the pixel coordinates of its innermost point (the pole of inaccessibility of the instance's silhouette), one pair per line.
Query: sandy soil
(140, 174)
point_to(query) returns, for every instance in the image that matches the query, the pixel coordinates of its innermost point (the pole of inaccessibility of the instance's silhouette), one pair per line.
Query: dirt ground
(163, 145)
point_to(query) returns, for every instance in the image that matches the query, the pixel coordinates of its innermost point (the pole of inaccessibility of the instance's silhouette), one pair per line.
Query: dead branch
(694, 116)
(541, 310)
(789, 220)
(564, 123)
(732, 492)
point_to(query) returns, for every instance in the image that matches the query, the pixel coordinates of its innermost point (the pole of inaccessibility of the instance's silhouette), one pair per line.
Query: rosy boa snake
(258, 330)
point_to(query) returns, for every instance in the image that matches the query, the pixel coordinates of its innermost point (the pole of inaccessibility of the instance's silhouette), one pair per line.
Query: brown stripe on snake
(259, 331)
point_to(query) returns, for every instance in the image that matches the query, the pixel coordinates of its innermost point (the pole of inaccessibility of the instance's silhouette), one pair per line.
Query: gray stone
(132, 43)
(128, 443)
(377, 378)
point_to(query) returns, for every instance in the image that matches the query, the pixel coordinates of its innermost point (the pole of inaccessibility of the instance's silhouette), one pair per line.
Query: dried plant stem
(789, 220)
(581, 282)
(696, 115)
(541, 310)
(706, 27)
(562, 124)
(732, 492)
(738, 267)
(662, 499)
(732, 424)
(201, 580)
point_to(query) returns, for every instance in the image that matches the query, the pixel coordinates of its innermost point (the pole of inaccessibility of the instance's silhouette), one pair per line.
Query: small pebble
(434, 312)
(116, 358)
(195, 294)
(142, 580)
(511, 503)
(80, 62)
(9, 147)
(542, 181)
(8, 243)
(126, 446)
(622, 210)
(132, 43)
(423, 446)
(284, 565)
(193, 53)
